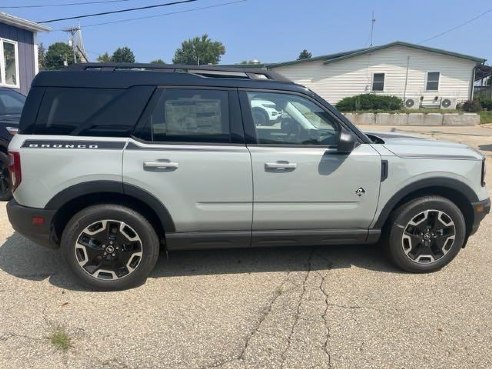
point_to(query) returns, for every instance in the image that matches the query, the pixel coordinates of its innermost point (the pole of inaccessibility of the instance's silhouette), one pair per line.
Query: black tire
(147, 245)
(5, 180)
(260, 117)
(409, 248)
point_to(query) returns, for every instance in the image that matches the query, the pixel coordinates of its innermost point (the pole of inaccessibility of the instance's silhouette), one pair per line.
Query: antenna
(77, 44)
(373, 20)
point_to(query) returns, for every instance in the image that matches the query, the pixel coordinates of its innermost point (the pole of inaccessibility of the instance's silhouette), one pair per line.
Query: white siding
(353, 76)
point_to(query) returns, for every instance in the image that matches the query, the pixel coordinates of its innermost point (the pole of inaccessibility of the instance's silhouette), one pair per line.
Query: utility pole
(373, 20)
(77, 44)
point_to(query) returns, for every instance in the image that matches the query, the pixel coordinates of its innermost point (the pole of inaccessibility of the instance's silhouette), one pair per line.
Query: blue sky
(272, 30)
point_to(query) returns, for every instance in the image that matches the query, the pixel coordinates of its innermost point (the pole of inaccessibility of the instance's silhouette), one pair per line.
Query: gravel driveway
(325, 307)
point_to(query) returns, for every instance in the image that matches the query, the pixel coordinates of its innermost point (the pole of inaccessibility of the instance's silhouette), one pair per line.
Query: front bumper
(480, 210)
(21, 218)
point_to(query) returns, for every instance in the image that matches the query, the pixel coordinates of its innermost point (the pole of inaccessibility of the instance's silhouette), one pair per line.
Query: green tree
(304, 54)
(104, 58)
(123, 55)
(158, 61)
(57, 55)
(199, 51)
(41, 57)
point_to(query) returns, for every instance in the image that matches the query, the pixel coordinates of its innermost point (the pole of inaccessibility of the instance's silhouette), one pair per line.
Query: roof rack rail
(209, 71)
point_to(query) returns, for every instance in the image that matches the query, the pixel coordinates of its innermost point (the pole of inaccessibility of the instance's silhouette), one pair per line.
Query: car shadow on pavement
(26, 260)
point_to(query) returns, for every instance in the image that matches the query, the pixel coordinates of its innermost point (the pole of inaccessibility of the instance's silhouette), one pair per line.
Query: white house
(417, 74)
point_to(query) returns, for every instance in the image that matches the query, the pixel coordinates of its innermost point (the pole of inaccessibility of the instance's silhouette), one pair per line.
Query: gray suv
(113, 162)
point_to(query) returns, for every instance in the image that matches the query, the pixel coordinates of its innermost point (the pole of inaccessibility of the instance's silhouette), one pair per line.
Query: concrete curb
(415, 119)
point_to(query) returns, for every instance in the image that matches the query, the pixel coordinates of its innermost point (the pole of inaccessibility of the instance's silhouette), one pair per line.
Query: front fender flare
(437, 182)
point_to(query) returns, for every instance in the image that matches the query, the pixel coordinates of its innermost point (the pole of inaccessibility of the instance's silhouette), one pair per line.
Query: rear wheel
(425, 234)
(110, 247)
(5, 180)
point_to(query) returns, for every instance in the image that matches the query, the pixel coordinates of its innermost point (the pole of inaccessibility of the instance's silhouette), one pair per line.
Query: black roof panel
(122, 78)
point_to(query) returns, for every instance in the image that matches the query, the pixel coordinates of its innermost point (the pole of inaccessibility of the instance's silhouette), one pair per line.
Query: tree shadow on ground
(26, 260)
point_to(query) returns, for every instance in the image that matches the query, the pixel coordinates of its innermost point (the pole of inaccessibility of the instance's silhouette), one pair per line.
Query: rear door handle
(281, 165)
(164, 164)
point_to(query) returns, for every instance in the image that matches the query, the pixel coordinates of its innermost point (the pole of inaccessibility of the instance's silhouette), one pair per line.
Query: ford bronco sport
(114, 161)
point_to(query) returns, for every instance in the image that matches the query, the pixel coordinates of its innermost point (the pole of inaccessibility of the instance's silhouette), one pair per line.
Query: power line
(118, 11)
(162, 15)
(457, 27)
(61, 5)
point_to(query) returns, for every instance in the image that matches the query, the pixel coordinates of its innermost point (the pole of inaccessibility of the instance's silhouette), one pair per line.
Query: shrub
(486, 103)
(471, 106)
(369, 102)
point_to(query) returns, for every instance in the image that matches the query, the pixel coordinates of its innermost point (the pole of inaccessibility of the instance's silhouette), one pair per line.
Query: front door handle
(160, 164)
(281, 165)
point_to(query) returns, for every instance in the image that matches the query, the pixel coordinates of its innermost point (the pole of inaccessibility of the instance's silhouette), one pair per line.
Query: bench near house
(419, 75)
(18, 52)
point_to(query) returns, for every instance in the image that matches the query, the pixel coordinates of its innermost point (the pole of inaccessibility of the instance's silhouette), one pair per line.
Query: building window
(378, 82)
(9, 63)
(433, 81)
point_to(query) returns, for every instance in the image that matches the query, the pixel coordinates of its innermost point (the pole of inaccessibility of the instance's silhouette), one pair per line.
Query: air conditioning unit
(412, 103)
(448, 103)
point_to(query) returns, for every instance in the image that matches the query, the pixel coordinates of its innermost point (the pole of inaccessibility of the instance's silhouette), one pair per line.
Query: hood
(407, 146)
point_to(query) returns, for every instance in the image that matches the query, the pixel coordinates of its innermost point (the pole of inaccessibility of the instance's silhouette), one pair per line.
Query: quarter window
(91, 111)
(9, 68)
(191, 115)
(433, 81)
(285, 119)
(378, 82)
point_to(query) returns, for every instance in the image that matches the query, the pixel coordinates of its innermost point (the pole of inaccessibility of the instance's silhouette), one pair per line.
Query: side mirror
(346, 142)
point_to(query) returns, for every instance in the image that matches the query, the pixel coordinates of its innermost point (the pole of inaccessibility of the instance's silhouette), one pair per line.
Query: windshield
(11, 102)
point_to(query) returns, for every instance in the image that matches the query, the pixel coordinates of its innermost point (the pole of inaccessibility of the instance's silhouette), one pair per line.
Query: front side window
(378, 82)
(433, 81)
(285, 119)
(9, 75)
(191, 115)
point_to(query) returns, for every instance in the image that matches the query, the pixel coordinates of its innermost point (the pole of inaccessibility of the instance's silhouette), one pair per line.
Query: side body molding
(98, 187)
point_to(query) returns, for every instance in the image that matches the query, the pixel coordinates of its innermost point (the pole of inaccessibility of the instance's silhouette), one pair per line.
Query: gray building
(18, 52)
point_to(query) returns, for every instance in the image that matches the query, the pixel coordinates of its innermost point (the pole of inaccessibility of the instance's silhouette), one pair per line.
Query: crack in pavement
(265, 312)
(296, 320)
(325, 319)
(9, 335)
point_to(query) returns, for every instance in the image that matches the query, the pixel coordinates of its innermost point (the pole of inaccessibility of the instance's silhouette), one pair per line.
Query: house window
(9, 63)
(378, 82)
(433, 81)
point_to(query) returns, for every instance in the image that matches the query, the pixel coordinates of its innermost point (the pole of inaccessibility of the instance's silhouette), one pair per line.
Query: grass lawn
(486, 117)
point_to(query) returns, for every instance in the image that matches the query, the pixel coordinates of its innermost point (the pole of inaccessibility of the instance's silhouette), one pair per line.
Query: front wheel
(425, 234)
(110, 247)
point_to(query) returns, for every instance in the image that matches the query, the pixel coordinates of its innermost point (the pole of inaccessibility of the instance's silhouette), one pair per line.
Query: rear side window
(189, 115)
(90, 111)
